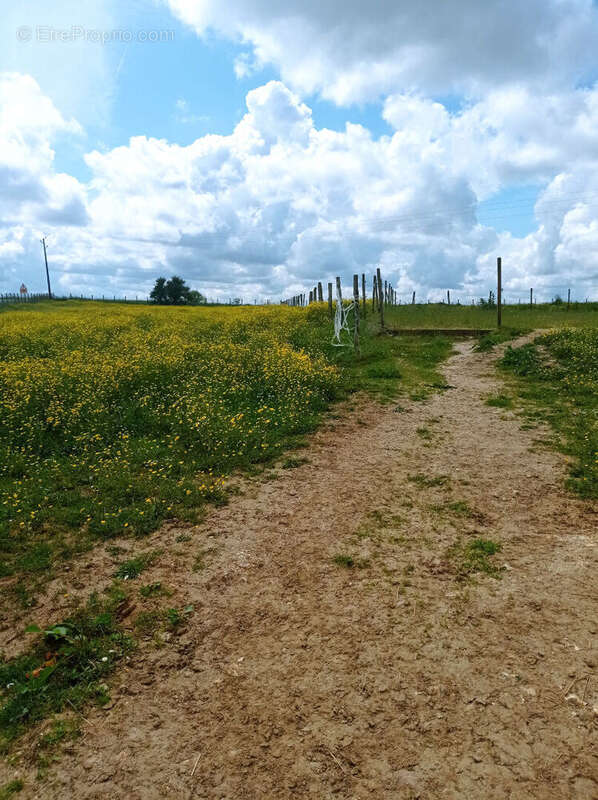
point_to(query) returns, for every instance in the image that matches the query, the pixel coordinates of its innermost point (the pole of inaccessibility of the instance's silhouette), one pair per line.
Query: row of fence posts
(22, 298)
(383, 294)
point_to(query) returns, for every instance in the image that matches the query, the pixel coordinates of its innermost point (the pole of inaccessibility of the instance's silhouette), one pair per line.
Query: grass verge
(556, 381)
(64, 668)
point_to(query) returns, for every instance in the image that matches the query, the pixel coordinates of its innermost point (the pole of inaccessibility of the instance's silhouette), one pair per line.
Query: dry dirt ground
(297, 677)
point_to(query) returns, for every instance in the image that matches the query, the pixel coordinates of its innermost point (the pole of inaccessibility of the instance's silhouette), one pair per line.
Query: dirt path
(298, 677)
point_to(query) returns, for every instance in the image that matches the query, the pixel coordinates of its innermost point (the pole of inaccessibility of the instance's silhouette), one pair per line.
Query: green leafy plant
(151, 589)
(133, 568)
(10, 789)
(64, 668)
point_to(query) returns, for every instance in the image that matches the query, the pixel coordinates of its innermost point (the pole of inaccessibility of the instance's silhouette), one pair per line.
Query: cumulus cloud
(279, 204)
(32, 192)
(351, 51)
(513, 135)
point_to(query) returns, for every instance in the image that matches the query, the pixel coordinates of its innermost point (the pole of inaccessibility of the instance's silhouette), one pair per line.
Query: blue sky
(197, 72)
(445, 153)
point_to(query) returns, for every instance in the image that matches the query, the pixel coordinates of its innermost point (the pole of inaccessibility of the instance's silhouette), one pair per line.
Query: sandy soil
(298, 677)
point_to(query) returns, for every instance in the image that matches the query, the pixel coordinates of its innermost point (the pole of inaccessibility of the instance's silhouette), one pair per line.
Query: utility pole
(43, 241)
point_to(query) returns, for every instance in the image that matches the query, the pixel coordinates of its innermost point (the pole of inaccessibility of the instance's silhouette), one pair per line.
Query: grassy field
(441, 315)
(114, 418)
(557, 382)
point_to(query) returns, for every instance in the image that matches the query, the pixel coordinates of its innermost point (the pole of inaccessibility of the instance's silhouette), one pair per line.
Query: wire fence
(391, 297)
(140, 299)
(455, 297)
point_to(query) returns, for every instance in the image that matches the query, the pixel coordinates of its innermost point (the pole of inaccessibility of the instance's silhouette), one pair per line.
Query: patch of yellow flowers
(114, 417)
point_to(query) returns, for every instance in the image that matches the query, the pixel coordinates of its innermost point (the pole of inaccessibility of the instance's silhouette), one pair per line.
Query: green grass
(60, 732)
(151, 589)
(556, 381)
(292, 462)
(458, 508)
(504, 334)
(343, 560)
(390, 366)
(475, 557)
(10, 789)
(148, 622)
(514, 317)
(67, 501)
(151, 621)
(500, 401)
(131, 569)
(105, 438)
(385, 370)
(64, 668)
(350, 562)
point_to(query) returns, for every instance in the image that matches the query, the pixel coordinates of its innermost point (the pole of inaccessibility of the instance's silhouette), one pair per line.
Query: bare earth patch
(340, 646)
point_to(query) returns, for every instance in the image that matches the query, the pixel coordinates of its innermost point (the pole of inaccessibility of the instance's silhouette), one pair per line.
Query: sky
(255, 147)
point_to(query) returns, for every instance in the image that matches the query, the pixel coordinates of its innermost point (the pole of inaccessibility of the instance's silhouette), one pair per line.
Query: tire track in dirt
(297, 677)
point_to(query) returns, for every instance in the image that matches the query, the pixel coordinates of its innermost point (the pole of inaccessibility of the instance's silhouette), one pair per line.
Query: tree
(196, 298)
(159, 294)
(177, 291)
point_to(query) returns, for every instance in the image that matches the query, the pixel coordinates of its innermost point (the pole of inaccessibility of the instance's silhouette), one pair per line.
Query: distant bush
(175, 292)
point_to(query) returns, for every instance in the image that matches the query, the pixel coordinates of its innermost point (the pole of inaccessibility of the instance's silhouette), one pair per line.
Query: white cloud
(352, 51)
(279, 204)
(31, 189)
(78, 74)
(512, 135)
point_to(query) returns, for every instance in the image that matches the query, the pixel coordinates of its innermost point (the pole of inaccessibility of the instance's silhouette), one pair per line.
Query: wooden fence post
(568, 298)
(374, 293)
(320, 295)
(499, 290)
(330, 298)
(363, 292)
(531, 298)
(356, 312)
(380, 298)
